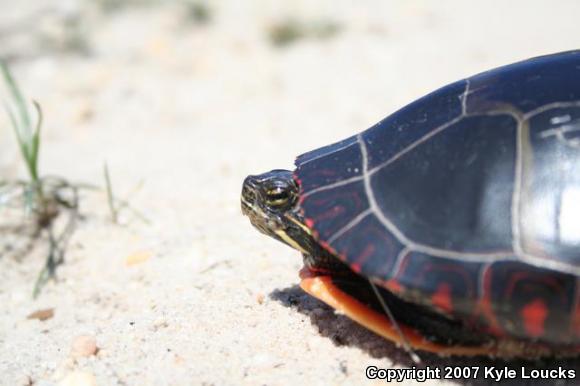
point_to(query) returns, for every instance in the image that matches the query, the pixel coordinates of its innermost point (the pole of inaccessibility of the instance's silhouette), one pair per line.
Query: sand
(187, 109)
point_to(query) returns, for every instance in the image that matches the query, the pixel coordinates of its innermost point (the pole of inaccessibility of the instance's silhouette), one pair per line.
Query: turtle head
(270, 200)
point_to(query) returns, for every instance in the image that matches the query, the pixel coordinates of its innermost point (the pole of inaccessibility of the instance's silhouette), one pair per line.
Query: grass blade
(110, 197)
(17, 97)
(35, 143)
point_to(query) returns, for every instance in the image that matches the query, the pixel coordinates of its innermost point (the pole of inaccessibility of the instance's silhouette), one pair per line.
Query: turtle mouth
(264, 221)
(261, 220)
(248, 200)
(270, 226)
(248, 208)
(249, 203)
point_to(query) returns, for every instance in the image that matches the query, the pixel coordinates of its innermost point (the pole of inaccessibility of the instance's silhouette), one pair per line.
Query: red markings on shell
(394, 286)
(441, 298)
(534, 315)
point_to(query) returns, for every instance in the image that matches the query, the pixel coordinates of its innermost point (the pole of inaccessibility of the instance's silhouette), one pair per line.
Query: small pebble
(260, 298)
(83, 346)
(138, 257)
(42, 315)
(160, 323)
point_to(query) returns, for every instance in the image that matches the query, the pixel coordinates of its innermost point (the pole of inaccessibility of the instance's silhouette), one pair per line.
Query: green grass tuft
(50, 202)
(27, 134)
(43, 198)
(199, 12)
(290, 30)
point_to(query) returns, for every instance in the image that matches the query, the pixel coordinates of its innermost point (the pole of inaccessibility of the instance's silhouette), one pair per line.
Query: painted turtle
(462, 209)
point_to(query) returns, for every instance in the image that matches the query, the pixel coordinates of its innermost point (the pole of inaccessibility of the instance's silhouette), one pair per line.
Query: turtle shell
(466, 200)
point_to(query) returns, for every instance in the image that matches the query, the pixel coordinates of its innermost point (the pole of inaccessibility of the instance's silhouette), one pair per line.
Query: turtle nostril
(248, 195)
(249, 188)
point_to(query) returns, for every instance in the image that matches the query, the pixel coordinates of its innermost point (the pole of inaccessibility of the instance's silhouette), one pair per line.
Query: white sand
(191, 110)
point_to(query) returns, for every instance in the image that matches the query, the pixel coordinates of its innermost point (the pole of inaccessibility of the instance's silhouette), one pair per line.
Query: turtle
(451, 226)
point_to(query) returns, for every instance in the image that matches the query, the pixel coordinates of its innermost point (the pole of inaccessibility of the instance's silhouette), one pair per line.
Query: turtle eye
(278, 197)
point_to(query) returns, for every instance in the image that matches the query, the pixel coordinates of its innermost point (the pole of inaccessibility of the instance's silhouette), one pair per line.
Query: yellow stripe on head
(300, 224)
(288, 240)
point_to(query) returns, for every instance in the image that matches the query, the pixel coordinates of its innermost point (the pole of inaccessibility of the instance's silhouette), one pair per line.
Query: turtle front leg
(325, 263)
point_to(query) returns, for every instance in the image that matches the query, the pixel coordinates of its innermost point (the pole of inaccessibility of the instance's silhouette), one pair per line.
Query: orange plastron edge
(322, 288)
